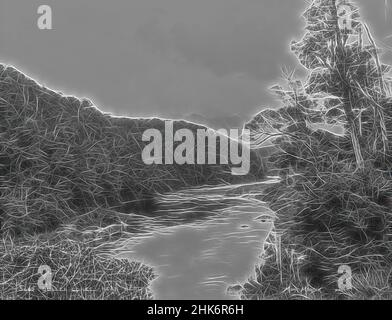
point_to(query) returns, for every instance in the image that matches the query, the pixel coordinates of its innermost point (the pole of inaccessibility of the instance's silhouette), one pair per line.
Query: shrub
(79, 271)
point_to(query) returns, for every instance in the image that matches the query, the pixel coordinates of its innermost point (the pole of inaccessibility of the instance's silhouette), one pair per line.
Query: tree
(333, 204)
(346, 84)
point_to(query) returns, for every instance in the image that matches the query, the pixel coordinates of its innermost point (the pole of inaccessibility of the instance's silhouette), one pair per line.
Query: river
(212, 240)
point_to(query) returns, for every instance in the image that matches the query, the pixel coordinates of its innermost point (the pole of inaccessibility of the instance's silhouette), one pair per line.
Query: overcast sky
(163, 57)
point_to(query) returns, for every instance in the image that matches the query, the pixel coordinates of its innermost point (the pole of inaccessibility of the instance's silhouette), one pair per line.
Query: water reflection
(200, 260)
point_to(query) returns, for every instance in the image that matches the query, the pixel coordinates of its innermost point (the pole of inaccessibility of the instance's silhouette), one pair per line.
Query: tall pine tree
(333, 134)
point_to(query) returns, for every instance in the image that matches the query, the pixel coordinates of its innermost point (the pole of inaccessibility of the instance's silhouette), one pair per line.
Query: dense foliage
(61, 157)
(333, 135)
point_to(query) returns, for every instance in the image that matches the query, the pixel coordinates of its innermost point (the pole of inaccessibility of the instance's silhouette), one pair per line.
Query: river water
(213, 240)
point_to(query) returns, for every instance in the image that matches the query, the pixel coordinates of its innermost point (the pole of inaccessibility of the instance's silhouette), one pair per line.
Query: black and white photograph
(224, 151)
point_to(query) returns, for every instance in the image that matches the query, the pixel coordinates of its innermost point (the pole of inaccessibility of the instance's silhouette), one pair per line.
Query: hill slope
(60, 157)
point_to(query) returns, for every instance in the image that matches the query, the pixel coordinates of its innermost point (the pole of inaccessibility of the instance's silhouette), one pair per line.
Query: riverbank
(333, 133)
(220, 229)
(305, 260)
(59, 267)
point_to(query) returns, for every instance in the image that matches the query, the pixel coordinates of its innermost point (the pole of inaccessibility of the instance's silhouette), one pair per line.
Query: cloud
(145, 57)
(225, 36)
